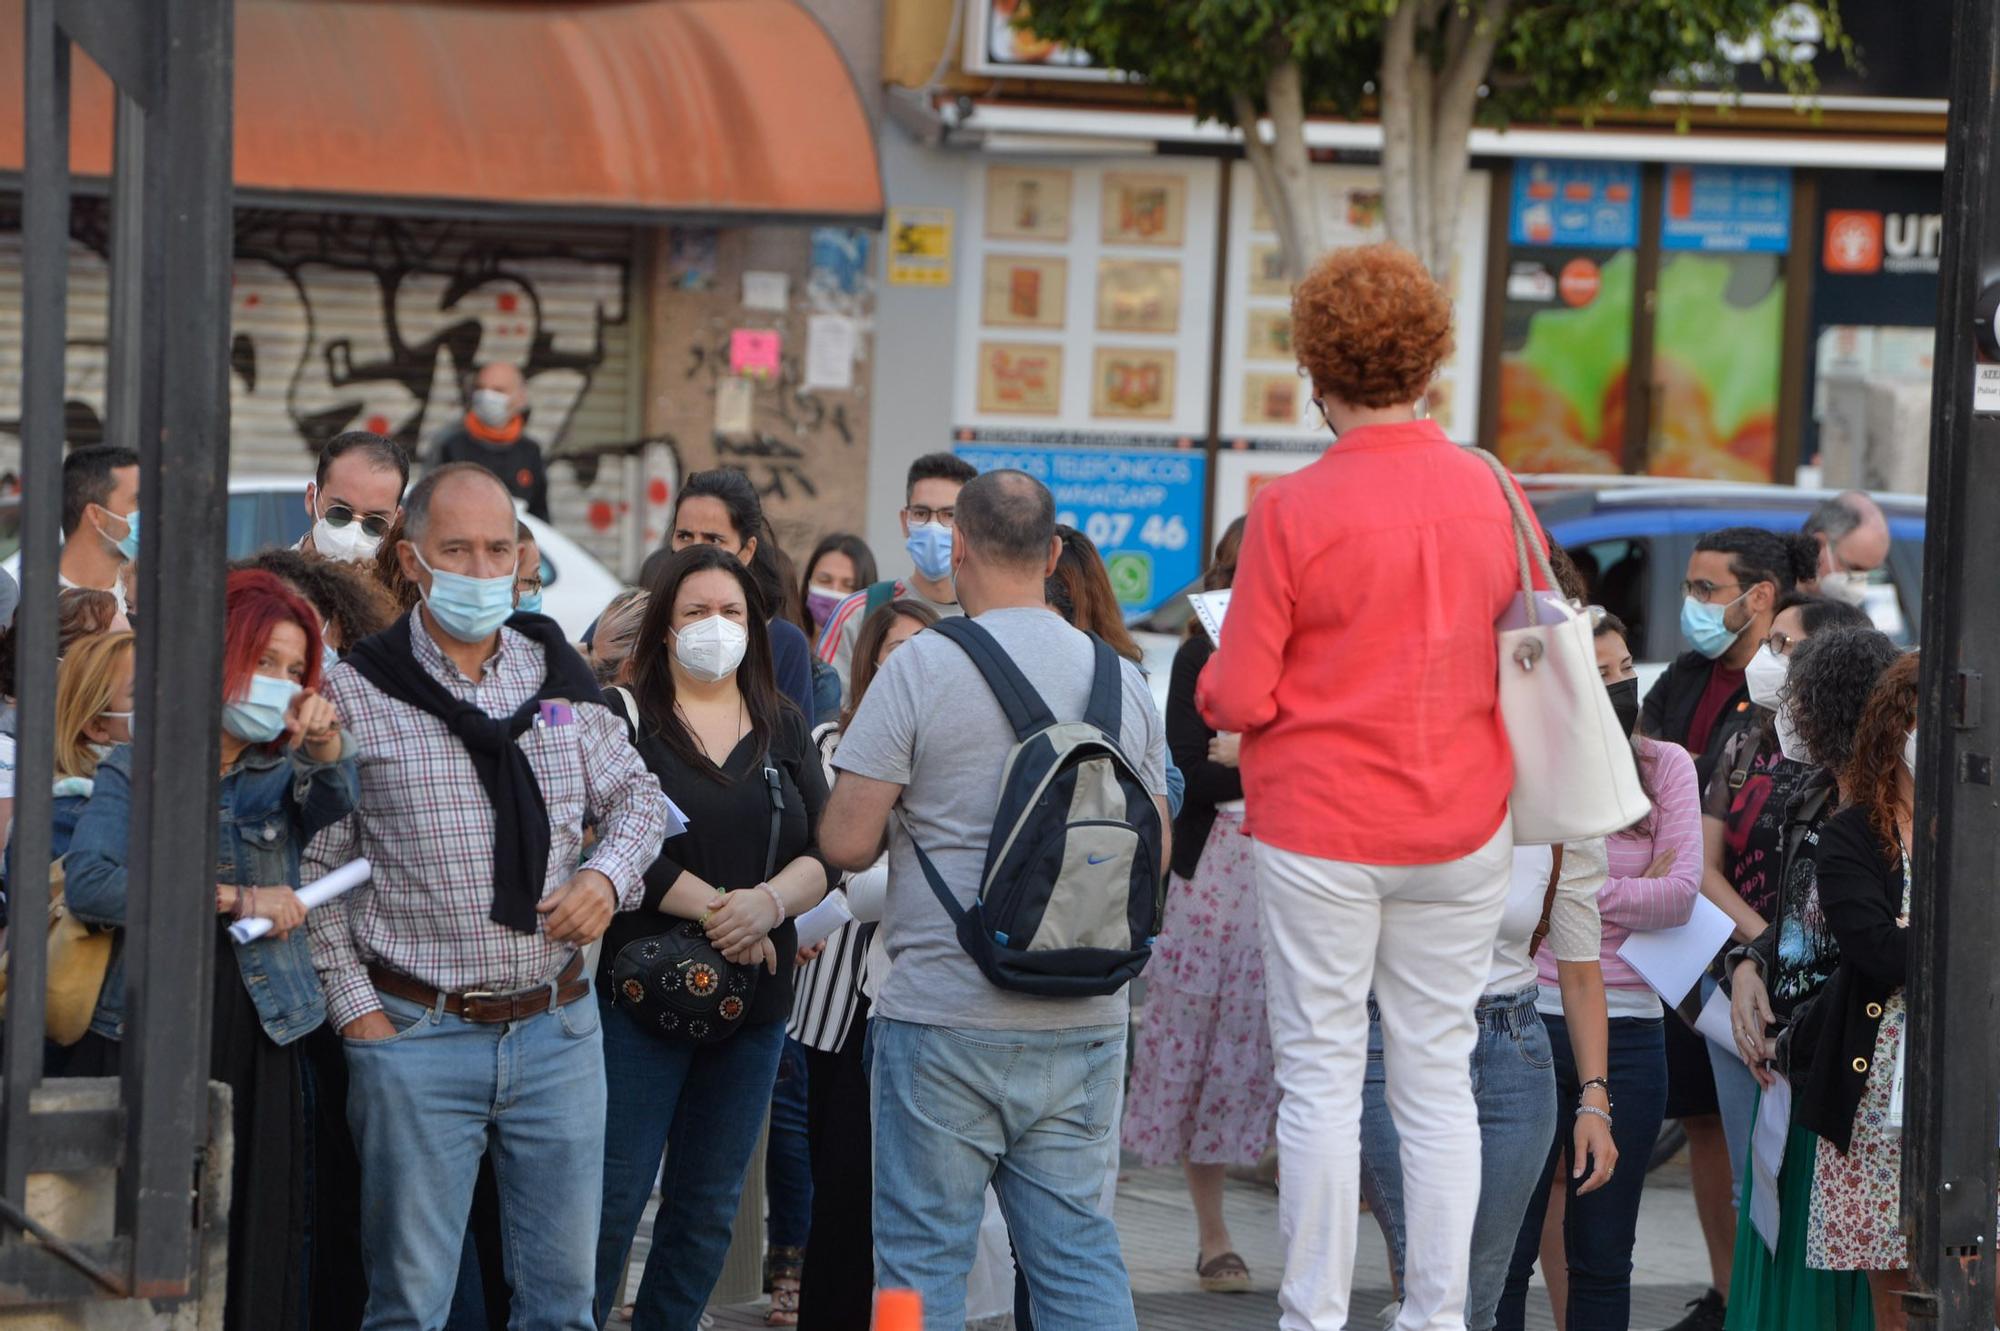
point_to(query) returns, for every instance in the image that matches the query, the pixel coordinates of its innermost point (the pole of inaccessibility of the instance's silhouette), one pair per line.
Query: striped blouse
(828, 989)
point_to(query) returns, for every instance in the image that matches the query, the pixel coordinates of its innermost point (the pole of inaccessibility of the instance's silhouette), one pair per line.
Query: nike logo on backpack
(1095, 859)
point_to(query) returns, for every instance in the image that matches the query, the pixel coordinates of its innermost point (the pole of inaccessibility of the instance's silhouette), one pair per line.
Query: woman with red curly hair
(1853, 1034)
(1358, 662)
(287, 770)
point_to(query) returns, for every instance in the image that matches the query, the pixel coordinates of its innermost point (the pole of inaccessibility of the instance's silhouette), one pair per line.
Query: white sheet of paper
(824, 920)
(830, 352)
(1767, 1156)
(1897, 1087)
(316, 893)
(765, 290)
(677, 821)
(1672, 960)
(1714, 1022)
(1209, 608)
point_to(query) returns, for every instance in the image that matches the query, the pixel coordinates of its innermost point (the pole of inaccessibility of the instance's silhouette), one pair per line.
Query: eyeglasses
(1701, 589)
(527, 586)
(919, 515)
(339, 515)
(1781, 644)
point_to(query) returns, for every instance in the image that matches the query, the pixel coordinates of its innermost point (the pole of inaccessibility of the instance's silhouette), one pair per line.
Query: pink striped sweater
(1631, 903)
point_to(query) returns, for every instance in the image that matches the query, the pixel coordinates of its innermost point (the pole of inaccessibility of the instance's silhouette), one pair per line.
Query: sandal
(1224, 1274)
(784, 1270)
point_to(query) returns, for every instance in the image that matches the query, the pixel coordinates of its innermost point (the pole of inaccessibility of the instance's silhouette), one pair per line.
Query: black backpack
(1071, 894)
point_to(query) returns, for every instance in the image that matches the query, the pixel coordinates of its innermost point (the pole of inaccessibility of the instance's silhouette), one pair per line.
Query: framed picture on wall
(1024, 203)
(1024, 291)
(1132, 383)
(1267, 270)
(1273, 399)
(1269, 336)
(1020, 379)
(1138, 296)
(1144, 209)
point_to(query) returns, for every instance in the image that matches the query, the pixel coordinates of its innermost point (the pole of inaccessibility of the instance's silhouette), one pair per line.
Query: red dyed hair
(1370, 326)
(257, 603)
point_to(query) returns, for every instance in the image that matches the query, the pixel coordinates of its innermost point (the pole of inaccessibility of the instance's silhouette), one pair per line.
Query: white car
(270, 511)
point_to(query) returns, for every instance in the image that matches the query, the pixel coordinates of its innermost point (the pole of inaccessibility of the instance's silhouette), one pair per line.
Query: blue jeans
(708, 1135)
(1030, 1111)
(423, 1106)
(788, 1180)
(1598, 1228)
(1514, 1085)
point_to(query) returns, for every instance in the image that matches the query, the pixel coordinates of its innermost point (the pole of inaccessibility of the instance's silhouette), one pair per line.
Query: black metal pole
(1953, 1098)
(184, 489)
(44, 278)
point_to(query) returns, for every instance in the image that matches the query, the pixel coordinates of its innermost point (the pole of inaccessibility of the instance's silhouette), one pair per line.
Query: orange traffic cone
(899, 1310)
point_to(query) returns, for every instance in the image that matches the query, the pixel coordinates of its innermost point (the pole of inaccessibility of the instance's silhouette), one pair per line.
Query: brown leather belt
(484, 1007)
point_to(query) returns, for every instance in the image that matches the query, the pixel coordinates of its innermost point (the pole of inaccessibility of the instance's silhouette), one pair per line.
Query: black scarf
(520, 817)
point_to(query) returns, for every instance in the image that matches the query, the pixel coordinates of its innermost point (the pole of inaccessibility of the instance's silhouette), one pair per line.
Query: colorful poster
(1138, 296)
(1267, 271)
(1141, 507)
(1718, 344)
(839, 261)
(1567, 346)
(1269, 336)
(1575, 205)
(1144, 210)
(754, 352)
(1020, 379)
(920, 247)
(1729, 209)
(1027, 204)
(1135, 383)
(1024, 291)
(1273, 399)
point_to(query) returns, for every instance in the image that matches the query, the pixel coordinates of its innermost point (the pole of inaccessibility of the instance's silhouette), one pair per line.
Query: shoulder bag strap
(1026, 712)
(1527, 538)
(1548, 904)
(775, 784)
(628, 708)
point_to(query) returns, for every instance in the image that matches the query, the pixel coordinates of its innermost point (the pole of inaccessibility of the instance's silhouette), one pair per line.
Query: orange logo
(1853, 242)
(1579, 282)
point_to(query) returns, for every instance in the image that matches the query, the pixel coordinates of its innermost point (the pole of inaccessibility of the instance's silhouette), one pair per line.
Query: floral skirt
(1203, 1088)
(1857, 1217)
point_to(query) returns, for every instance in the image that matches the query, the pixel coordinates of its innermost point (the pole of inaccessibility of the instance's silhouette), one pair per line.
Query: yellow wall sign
(920, 247)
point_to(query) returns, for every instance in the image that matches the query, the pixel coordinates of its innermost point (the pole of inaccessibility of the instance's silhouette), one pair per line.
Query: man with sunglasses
(355, 496)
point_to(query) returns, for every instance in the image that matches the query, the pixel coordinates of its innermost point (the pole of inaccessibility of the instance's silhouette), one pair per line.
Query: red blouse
(1358, 658)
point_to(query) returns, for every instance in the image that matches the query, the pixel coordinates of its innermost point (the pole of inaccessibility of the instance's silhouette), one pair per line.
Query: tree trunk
(1284, 93)
(1400, 151)
(1469, 42)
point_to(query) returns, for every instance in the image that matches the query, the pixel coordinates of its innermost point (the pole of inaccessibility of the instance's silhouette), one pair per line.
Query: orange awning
(718, 108)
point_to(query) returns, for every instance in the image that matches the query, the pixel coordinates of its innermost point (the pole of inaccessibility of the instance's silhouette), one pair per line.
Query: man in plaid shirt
(455, 977)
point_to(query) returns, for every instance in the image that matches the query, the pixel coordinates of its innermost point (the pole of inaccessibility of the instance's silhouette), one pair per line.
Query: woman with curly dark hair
(1857, 1026)
(1358, 662)
(352, 604)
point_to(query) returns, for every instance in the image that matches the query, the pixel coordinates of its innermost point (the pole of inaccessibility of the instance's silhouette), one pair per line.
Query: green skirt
(1780, 1292)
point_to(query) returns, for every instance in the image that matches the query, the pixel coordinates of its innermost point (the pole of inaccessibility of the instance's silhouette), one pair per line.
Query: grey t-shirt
(931, 725)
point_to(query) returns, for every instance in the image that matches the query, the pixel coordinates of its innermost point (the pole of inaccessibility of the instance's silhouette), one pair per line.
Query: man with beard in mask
(493, 433)
(930, 497)
(356, 495)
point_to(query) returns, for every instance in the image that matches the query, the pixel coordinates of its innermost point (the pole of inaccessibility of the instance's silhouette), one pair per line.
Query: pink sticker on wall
(754, 351)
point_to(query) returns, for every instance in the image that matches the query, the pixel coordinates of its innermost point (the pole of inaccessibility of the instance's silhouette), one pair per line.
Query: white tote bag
(1575, 777)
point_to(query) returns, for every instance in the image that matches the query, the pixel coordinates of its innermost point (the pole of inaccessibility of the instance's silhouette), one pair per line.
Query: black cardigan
(1208, 783)
(1670, 705)
(1861, 891)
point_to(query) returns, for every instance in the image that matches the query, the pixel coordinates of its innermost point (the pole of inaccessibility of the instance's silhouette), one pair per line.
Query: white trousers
(1421, 937)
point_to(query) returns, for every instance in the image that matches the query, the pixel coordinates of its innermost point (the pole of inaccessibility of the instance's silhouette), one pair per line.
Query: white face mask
(1765, 676)
(346, 545)
(1910, 754)
(711, 649)
(493, 408)
(1789, 742)
(1845, 587)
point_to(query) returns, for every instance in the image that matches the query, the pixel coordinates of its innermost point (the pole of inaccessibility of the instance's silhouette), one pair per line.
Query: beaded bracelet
(776, 900)
(1595, 1112)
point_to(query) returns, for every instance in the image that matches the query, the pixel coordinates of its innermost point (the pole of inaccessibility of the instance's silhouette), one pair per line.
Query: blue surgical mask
(930, 549)
(328, 659)
(259, 716)
(531, 603)
(1706, 629)
(469, 609)
(128, 544)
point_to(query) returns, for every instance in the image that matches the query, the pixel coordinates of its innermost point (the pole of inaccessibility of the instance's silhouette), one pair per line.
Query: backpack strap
(1548, 904)
(931, 875)
(1026, 712)
(1107, 691)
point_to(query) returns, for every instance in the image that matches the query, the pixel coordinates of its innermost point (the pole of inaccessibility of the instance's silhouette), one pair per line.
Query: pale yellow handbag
(79, 956)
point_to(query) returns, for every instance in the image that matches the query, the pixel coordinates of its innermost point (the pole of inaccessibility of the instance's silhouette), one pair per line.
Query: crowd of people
(872, 860)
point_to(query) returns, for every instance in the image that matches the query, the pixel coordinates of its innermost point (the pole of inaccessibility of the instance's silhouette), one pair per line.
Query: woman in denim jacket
(287, 771)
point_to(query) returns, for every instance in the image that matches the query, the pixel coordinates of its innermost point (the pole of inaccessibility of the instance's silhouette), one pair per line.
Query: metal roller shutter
(346, 322)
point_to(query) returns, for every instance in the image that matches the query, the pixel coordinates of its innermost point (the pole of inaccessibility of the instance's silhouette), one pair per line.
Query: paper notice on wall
(830, 352)
(754, 351)
(734, 399)
(765, 291)
(1209, 608)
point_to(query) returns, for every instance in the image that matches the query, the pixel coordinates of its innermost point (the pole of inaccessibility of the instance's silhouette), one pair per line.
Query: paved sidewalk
(1157, 1227)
